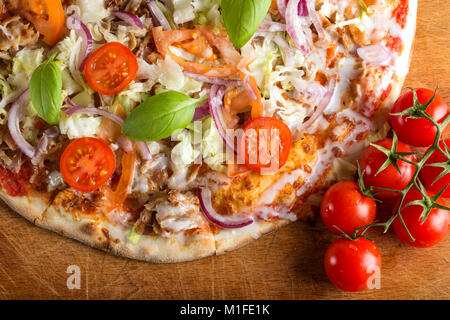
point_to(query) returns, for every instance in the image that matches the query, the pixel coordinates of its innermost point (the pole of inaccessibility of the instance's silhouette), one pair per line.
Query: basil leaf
(242, 18)
(46, 91)
(160, 116)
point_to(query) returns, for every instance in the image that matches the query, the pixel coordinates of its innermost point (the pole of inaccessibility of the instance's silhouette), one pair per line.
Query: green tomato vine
(427, 203)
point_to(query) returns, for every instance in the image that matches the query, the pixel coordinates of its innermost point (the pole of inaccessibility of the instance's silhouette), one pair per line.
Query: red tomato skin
(285, 136)
(347, 208)
(371, 161)
(350, 263)
(101, 151)
(433, 231)
(123, 52)
(429, 174)
(418, 132)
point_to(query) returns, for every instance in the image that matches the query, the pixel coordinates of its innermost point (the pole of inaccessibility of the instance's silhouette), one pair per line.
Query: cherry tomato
(260, 152)
(429, 174)
(418, 132)
(353, 265)
(428, 234)
(87, 164)
(344, 206)
(371, 161)
(47, 16)
(111, 68)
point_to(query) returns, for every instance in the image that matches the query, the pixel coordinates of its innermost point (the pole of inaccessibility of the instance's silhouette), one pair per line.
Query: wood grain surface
(287, 264)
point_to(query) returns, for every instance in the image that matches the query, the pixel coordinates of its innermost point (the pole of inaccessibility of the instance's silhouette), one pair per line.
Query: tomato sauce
(394, 43)
(15, 184)
(401, 13)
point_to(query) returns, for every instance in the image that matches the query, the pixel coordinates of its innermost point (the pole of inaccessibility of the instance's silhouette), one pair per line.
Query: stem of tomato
(415, 182)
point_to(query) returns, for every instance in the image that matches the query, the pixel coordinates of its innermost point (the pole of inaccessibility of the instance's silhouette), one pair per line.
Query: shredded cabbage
(92, 10)
(79, 126)
(269, 75)
(69, 54)
(208, 12)
(184, 153)
(199, 139)
(183, 11)
(212, 146)
(171, 77)
(5, 88)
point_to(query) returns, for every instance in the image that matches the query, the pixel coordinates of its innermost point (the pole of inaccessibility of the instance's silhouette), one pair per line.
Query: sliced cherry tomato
(87, 164)
(47, 16)
(344, 207)
(371, 161)
(428, 234)
(258, 148)
(216, 37)
(353, 265)
(418, 132)
(111, 68)
(429, 174)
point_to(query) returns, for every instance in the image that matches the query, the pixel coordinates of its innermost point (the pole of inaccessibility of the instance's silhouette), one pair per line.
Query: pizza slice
(136, 127)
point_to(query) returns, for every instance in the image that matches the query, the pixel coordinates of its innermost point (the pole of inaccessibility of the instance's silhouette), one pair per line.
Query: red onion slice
(70, 111)
(125, 144)
(14, 124)
(129, 18)
(228, 222)
(218, 81)
(82, 31)
(144, 150)
(216, 96)
(158, 15)
(271, 26)
(281, 5)
(375, 54)
(248, 87)
(202, 111)
(317, 22)
(322, 106)
(298, 26)
(15, 113)
(142, 147)
(6, 32)
(302, 8)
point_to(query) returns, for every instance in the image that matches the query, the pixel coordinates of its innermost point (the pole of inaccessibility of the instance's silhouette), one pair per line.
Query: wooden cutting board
(287, 264)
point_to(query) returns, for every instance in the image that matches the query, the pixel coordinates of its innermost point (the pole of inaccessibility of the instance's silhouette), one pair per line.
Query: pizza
(168, 131)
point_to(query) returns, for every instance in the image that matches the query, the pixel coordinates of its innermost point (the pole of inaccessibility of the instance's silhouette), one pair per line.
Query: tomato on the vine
(353, 265)
(111, 68)
(344, 207)
(87, 164)
(428, 174)
(373, 159)
(428, 234)
(418, 132)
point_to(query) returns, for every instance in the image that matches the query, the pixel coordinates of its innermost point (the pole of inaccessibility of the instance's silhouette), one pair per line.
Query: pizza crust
(37, 209)
(31, 207)
(114, 239)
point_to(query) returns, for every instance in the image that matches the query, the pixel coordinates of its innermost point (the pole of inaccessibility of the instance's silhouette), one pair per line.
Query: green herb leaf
(242, 18)
(160, 116)
(46, 91)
